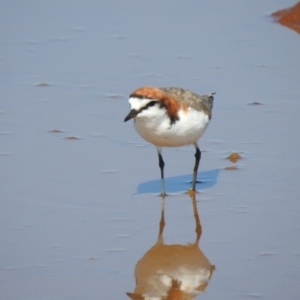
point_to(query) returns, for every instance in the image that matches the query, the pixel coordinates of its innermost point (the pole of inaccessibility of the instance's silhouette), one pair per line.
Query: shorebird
(170, 117)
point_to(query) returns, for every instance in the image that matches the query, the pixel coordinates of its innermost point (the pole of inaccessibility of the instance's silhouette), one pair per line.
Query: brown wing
(201, 103)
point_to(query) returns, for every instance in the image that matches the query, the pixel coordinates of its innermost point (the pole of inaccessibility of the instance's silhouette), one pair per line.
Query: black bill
(132, 114)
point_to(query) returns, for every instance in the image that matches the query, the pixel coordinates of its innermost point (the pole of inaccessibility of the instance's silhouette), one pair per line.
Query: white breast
(155, 126)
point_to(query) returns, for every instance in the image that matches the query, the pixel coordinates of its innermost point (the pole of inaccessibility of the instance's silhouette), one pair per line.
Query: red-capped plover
(170, 117)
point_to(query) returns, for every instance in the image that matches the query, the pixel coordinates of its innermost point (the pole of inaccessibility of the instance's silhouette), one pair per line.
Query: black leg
(161, 166)
(197, 161)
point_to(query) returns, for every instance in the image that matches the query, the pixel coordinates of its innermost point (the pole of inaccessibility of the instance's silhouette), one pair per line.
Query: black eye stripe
(152, 103)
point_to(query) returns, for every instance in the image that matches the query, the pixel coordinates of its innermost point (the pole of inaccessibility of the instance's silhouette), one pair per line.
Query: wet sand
(289, 17)
(79, 188)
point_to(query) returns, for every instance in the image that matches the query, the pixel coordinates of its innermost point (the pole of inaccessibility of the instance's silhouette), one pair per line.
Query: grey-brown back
(200, 103)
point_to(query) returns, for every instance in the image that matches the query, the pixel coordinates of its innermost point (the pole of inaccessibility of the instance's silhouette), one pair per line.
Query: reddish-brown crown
(171, 104)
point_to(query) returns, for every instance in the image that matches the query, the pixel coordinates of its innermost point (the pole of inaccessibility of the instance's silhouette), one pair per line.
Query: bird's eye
(152, 103)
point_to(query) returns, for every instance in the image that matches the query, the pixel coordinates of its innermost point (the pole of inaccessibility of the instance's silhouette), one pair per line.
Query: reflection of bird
(170, 117)
(177, 272)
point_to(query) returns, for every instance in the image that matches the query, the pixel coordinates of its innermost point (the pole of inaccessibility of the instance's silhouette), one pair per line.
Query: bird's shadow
(180, 184)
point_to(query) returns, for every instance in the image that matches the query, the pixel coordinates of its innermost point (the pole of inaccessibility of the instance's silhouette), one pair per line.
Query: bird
(170, 117)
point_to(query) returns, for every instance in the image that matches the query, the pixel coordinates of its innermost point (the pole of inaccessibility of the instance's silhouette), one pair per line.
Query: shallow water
(78, 187)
